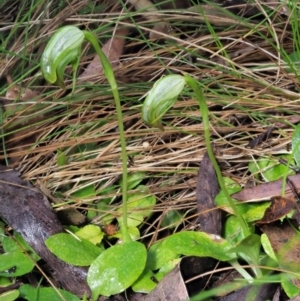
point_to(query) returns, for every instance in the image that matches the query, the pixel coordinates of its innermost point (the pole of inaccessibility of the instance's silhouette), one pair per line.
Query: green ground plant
(245, 92)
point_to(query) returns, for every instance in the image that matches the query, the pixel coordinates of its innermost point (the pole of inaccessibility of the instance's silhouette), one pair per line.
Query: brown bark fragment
(28, 212)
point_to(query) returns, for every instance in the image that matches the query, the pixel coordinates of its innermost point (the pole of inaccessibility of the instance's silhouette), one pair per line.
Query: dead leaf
(280, 207)
(261, 138)
(285, 242)
(113, 49)
(297, 298)
(267, 190)
(206, 190)
(171, 287)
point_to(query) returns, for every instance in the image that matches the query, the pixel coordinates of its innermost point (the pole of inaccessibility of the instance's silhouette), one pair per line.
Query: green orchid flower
(63, 48)
(161, 98)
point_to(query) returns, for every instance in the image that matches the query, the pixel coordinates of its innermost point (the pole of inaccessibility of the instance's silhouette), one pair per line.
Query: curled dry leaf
(279, 208)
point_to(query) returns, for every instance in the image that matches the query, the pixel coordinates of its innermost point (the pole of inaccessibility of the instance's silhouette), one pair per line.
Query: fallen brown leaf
(279, 208)
(113, 49)
(261, 138)
(171, 287)
(285, 242)
(267, 190)
(206, 190)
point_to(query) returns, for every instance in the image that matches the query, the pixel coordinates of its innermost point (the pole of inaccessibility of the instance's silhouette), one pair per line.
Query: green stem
(108, 71)
(204, 111)
(241, 270)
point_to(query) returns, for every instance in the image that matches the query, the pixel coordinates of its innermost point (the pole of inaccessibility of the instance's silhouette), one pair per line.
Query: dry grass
(245, 84)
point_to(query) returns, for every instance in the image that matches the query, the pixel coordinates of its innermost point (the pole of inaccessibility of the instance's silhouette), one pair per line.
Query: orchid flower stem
(108, 71)
(204, 111)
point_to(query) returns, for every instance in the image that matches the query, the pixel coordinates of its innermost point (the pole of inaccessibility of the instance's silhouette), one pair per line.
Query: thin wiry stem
(108, 71)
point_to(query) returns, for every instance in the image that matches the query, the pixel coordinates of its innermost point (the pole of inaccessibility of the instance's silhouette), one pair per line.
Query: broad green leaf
(199, 244)
(249, 249)
(104, 212)
(158, 256)
(265, 242)
(85, 192)
(139, 206)
(9, 296)
(91, 233)
(18, 244)
(296, 144)
(10, 245)
(30, 293)
(221, 200)
(62, 159)
(166, 268)
(289, 288)
(75, 251)
(133, 232)
(4, 281)
(134, 179)
(144, 284)
(294, 62)
(171, 219)
(233, 232)
(255, 211)
(116, 268)
(270, 169)
(14, 264)
(72, 228)
(110, 190)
